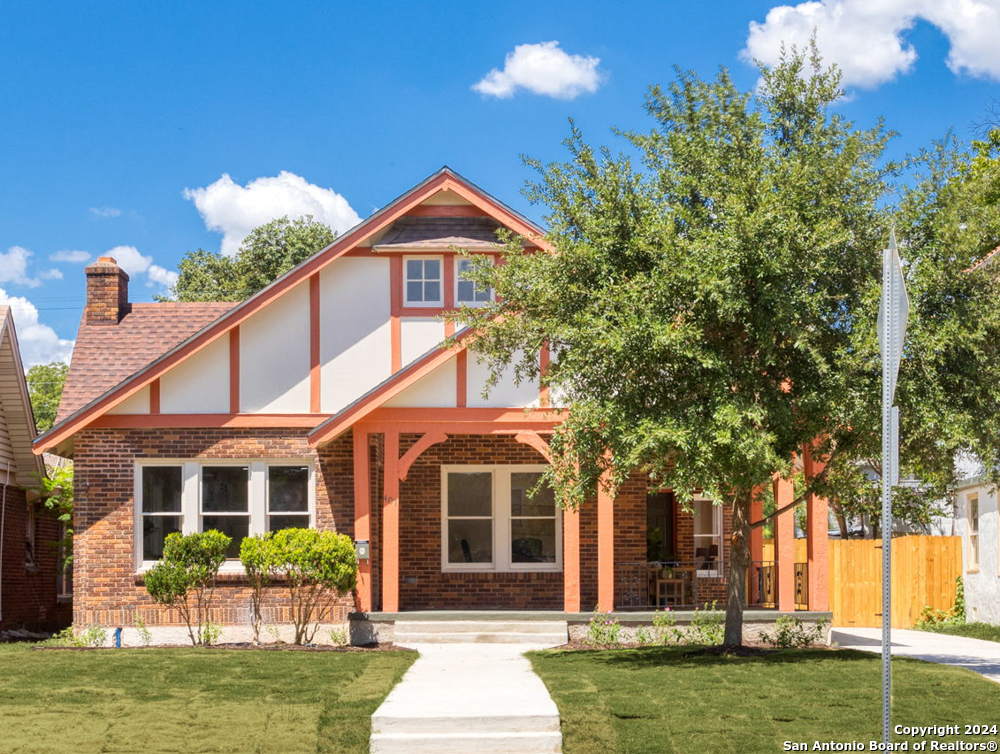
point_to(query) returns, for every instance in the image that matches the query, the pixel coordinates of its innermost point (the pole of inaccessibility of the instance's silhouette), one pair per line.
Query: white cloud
(70, 256)
(51, 274)
(866, 39)
(39, 343)
(14, 267)
(130, 260)
(163, 276)
(105, 211)
(542, 68)
(234, 210)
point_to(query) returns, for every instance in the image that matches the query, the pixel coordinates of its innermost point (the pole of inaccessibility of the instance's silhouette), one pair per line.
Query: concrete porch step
(535, 633)
(463, 743)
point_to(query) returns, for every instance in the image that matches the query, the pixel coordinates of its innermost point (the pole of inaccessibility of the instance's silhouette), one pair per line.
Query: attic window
(423, 284)
(468, 291)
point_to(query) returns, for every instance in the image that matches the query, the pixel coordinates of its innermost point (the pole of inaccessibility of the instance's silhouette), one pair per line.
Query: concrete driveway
(979, 656)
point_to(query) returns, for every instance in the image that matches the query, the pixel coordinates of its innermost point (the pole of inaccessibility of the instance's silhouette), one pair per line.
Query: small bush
(603, 630)
(257, 556)
(338, 637)
(792, 633)
(318, 566)
(707, 626)
(665, 628)
(93, 636)
(145, 635)
(185, 577)
(931, 619)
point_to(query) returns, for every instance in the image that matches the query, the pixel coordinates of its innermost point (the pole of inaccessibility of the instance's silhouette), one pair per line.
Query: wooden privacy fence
(924, 570)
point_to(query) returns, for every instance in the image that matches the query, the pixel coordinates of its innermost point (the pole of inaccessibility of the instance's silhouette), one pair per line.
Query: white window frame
(458, 278)
(972, 566)
(406, 279)
(190, 513)
(716, 538)
(502, 562)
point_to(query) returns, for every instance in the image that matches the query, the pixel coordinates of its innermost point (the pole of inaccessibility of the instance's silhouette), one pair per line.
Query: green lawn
(972, 630)
(660, 701)
(191, 700)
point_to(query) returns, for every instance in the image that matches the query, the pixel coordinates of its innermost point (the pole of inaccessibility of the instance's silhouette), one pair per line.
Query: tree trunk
(842, 523)
(739, 560)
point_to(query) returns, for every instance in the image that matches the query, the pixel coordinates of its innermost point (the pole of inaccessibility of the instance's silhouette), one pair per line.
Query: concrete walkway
(979, 656)
(473, 695)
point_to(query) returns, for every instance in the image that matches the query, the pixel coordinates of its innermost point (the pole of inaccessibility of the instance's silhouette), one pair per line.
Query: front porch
(600, 556)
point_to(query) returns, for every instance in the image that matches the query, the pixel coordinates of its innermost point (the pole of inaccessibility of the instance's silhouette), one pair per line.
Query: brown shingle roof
(473, 233)
(105, 355)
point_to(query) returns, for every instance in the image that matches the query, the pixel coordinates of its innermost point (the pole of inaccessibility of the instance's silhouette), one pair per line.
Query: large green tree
(268, 252)
(45, 386)
(711, 305)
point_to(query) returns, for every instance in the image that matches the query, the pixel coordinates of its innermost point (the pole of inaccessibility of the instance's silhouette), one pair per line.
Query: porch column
(362, 518)
(390, 525)
(757, 535)
(605, 547)
(784, 543)
(571, 560)
(817, 540)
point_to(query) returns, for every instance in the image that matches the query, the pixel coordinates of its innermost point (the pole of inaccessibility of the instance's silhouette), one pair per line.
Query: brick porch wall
(423, 585)
(106, 589)
(108, 592)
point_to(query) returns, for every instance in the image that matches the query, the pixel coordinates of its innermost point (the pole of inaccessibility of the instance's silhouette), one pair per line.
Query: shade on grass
(660, 700)
(191, 700)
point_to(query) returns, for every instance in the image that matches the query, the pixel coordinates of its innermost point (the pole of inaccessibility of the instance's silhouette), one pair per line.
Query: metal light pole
(894, 309)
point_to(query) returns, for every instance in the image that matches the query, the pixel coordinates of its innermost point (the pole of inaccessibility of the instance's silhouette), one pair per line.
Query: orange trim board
(142, 421)
(387, 390)
(444, 180)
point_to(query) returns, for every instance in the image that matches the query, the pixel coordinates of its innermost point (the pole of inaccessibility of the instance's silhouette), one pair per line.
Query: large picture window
(237, 498)
(498, 518)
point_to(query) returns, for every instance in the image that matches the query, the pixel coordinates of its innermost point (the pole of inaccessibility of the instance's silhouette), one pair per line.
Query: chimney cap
(107, 260)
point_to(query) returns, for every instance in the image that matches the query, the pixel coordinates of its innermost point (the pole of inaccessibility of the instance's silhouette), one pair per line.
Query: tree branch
(808, 491)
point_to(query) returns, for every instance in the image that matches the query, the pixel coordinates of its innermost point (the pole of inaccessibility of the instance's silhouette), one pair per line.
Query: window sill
(973, 570)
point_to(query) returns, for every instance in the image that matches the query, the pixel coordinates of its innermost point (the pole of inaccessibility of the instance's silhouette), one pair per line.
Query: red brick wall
(108, 592)
(106, 589)
(29, 597)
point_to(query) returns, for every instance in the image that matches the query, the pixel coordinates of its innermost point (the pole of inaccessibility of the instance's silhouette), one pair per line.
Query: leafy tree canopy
(712, 296)
(45, 386)
(268, 252)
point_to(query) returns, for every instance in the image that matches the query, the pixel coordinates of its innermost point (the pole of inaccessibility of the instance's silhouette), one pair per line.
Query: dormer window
(468, 291)
(423, 283)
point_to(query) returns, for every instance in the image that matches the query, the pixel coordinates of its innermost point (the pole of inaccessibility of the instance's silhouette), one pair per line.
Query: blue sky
(120, 119)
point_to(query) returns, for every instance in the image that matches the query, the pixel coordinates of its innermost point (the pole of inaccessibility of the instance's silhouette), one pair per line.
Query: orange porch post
(784, 543)
(571, 560)
(757, 534)
(817, 540)
(605, 548)
(390, 525)
(362, 518)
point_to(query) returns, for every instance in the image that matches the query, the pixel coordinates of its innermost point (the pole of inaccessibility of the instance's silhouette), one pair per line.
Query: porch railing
(801, 586)
(675, 584)
(762, 584)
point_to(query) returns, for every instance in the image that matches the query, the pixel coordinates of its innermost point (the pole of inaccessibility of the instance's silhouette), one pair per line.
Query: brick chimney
(107, 292)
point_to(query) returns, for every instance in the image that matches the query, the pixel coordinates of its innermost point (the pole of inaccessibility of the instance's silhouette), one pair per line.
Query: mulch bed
(248, 646)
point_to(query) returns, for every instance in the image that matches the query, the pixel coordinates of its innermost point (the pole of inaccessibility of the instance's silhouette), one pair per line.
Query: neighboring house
(977, 521)
(32, 591)
(325, 400)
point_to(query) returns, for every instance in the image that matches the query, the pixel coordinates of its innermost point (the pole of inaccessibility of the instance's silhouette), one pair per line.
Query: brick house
(34, 594)
(325, 400)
